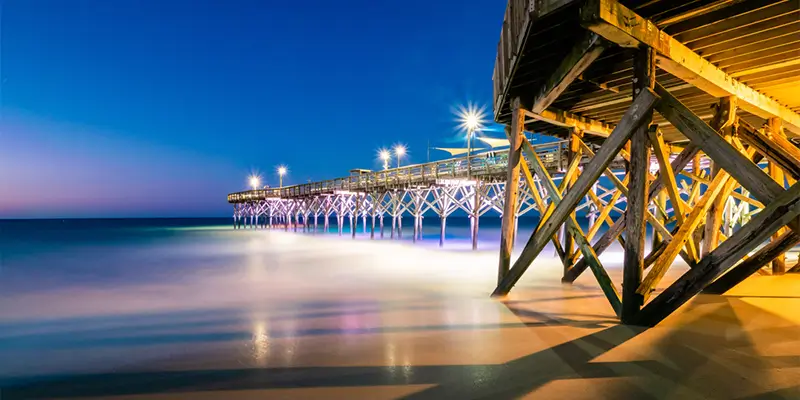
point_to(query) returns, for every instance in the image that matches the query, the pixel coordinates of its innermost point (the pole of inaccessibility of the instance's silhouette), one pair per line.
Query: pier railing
(485, 166)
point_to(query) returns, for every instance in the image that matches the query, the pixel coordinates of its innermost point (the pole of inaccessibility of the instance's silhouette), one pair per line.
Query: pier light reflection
(260, 346)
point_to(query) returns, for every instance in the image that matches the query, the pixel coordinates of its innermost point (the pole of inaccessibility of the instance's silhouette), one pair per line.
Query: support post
(476, 214)
(726, 112)
(443, 221)
(354, 214)
(400, 226)
(574, 151)
(509, 218)
(775, 129)
(644, 78)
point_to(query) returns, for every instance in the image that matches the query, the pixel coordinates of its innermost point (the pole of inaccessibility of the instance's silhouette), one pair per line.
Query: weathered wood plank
(620, 25)
(631, 120)
(515, 136)
(569, 120)
(773, 144)
(582, 54)
(781, 211)
(753, 263)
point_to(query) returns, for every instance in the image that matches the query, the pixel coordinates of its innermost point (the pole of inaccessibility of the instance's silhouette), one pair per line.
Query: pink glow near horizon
(53, 170)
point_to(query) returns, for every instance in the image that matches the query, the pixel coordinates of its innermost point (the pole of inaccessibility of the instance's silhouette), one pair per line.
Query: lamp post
(471, 119)
(281, 172)
(399, 151)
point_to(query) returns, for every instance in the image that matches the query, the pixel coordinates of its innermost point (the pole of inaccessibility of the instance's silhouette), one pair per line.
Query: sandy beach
(283, 315)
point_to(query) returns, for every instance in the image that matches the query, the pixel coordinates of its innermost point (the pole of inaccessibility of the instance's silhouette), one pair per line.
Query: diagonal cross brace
(632, 119)
(575, 231)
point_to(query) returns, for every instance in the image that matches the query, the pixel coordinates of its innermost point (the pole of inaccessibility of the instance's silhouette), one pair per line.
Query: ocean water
(93, 296)
(38, 255)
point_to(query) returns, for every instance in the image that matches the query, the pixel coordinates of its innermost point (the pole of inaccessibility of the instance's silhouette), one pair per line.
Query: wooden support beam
(726, 112)
(582, 54)
(661, 204)
(573, 228)
(748, 174)
(678, 164)
(735, 195)
(780, 212)
(670, 184)
(574, 156)
(776, 131)
(631, 120)
(644, 78)
(603, 216)
(515, 137)
(773, 144)
(752, 264)
(540, 205)
(687, 228)
(569, 120)
(618, 24)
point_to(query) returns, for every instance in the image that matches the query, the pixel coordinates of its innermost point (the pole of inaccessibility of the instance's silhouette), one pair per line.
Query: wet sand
(282, 315)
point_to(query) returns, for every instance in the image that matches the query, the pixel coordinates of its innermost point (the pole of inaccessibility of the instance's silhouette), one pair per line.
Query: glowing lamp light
(471, 118)
(255, 182)
(384, 155)
(282, 170)
(399, 151)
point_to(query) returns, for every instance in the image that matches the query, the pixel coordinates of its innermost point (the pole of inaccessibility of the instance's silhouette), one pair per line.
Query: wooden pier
(476, 185)
(676, 117)
(678, 80)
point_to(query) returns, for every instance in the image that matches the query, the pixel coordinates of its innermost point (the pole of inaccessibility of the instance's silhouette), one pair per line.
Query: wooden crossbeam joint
(632, 119)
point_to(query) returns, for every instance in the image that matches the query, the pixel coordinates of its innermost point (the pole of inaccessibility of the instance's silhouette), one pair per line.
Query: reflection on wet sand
(290, 316)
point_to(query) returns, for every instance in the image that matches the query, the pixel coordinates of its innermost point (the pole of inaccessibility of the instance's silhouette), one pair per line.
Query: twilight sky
(161, 107)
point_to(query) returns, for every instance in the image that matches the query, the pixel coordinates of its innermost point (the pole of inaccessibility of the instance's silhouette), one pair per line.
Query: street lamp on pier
(399, 151)
(282, 170)
(255, 182)
(472, 119)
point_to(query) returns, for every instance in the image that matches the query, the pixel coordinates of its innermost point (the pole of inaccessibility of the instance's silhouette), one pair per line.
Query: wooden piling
(633, 262)
(509, 218)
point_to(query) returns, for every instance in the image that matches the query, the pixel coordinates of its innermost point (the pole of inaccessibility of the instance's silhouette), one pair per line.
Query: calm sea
(42, 254)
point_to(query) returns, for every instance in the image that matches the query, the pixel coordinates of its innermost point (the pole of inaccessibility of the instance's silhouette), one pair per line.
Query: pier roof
(705, 49)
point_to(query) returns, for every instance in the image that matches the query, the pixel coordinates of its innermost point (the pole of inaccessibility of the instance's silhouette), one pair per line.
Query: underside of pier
(663, 83)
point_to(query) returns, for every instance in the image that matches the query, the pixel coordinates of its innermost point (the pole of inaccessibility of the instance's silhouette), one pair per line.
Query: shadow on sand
(703, 356)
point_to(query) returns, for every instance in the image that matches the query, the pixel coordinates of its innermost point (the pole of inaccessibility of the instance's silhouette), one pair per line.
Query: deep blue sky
(162, 107)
